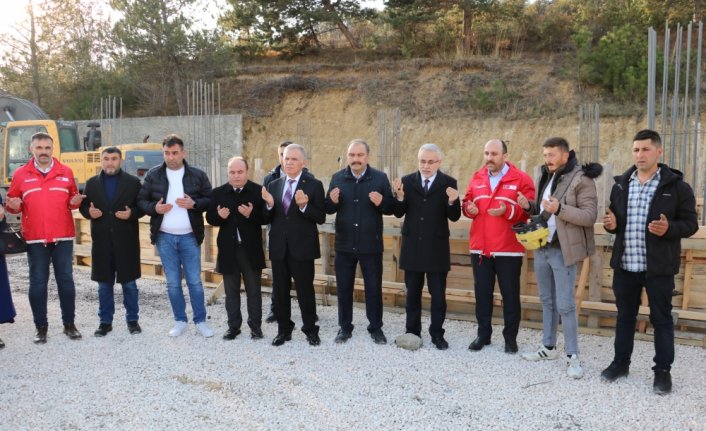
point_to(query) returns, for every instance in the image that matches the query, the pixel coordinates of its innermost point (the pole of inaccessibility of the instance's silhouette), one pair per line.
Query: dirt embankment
(458, 105)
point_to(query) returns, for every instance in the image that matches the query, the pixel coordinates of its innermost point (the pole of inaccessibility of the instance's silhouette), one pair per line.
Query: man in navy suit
(428, 199)
(294, 206)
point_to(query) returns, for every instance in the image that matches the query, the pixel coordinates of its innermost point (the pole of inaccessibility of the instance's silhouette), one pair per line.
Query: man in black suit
(236, 208)
(294, 206)
(359, 195)
(111, 206)
(428, 199)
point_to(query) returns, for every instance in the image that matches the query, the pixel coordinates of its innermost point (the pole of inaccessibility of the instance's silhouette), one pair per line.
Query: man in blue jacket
(651, 210)
(359, 195)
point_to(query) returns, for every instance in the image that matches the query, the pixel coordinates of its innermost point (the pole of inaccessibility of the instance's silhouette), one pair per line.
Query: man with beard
(111, 206)
(491, 202)
(44, 192)
(567, 200)
(359, 195)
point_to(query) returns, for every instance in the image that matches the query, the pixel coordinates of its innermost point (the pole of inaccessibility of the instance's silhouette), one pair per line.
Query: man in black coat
(651, 210)
(111, 205)
(425, 238)
(359, 195)
(274, 174)
(236, 208)
(294, 206)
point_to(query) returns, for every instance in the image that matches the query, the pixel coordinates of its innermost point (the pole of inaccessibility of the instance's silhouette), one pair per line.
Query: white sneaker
(541, 354)
(204, 329)
(178, 329)
(574, 370)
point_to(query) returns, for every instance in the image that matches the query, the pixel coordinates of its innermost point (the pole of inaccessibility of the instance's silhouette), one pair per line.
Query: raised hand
(124, 214)
(267, 197)
(551, 204)
(162, 208)
(471, 208)
(398, 188)
(223, 212)
(186, 202)
(452, 193)
(659, 227)
(522, 201)
(334, 195)
(609, 221)
(301, 199)
(245, 210)
(76, 199)
(375, 198)
(499, 211)
(14, 203)
(94, 212)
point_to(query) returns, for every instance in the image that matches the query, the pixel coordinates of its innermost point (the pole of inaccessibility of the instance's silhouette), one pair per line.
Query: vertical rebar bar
(665, 79)
(675, 97)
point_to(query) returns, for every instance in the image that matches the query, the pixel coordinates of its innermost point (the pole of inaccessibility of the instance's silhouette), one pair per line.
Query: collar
(296, 180)
(431, 179)
(42, 170)
(503, 171)
(656, 176)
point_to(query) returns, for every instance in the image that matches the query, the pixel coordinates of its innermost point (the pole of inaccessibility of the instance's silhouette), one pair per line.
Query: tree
(290, 24)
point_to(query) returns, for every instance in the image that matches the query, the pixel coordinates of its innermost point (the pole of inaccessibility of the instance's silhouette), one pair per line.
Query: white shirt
(431, 180)
(176, 221)
(551, 223)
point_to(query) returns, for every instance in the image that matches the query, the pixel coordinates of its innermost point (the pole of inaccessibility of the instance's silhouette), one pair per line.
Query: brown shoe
(71, 331)
(41, 336)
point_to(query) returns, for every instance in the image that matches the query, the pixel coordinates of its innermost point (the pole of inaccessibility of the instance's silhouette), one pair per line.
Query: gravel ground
(152, 381)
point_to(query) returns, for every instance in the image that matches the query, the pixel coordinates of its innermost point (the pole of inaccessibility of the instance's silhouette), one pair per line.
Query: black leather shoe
(256, 333)
(40, 337)
(71, 331)
(663, 382)
(313, 339)
(271, 318)
(614, 371)
(231, 333)
(440, 343)
(102, 330)
(511, 346)
(2, 344)
(478, 344)
(134, 327)
(378, 337)
(281, 339)
(343, 336)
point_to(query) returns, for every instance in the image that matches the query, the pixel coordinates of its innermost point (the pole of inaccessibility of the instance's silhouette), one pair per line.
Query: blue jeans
(60, 255)
(182, 252)
(557, 290)
(106, 301)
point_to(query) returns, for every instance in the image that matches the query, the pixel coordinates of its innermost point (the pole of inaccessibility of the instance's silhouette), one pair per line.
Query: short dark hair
(40, 136)
(555, 142)
(112, 150)
(285, 143)
(649, 134)
(359, 141)
(171, 140)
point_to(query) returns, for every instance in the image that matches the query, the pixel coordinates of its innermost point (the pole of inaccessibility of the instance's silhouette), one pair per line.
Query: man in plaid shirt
(651, 210)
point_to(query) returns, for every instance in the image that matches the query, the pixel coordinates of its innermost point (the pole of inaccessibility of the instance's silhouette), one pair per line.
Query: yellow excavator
(20, 119)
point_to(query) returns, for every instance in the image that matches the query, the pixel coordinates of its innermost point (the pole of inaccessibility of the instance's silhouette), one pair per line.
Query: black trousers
(303, 273)
(252, 280)
(507, 270)
(371, 267)
(436, 282)
(627, 287)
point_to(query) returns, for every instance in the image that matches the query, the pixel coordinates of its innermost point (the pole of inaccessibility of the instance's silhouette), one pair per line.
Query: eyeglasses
(428, 162)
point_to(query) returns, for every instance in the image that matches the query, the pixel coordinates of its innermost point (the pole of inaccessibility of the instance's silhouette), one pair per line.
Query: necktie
(237, 191)
(426, 186)
(287, 200)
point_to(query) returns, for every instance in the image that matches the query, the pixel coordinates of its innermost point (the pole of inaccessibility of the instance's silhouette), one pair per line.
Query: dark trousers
(627, 287)
(40, 256)
(436, 282)
(303, 273)
(251, 279)
(371, 266)
(507, 270)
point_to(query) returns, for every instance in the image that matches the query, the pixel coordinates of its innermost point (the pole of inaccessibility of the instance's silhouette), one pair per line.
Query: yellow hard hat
(533, 234)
